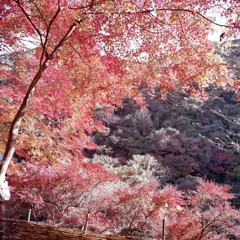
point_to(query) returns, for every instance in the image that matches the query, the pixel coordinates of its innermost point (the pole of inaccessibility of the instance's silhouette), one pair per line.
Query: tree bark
(13, 132)
(163, 229)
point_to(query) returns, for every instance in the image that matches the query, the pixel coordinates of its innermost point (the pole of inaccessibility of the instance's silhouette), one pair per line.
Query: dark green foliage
(171, 130)
(231, 54)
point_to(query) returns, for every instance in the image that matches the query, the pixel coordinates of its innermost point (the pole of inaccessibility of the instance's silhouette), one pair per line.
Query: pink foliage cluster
(68, 194)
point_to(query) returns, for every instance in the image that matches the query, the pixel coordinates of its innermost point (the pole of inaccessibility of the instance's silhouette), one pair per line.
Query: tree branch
(167, 9)
(31, 22)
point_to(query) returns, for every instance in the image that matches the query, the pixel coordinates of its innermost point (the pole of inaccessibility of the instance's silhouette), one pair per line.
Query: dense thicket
(172, 129)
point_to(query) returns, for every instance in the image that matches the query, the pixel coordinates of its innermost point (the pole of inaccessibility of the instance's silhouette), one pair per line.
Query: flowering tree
(95, 52)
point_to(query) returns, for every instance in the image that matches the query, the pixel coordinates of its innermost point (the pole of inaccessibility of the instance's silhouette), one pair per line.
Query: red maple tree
(207, 214)
(81, 195)
(61, 194)
(93, 52)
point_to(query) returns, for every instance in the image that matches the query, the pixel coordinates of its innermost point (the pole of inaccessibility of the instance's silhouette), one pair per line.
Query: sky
(219, 30)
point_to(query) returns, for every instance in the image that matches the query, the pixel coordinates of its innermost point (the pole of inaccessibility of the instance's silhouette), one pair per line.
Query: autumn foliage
(91, 53)
(68, 194)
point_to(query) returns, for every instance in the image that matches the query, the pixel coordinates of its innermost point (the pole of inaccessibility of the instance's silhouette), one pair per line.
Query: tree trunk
(13, 132)
(163, 229)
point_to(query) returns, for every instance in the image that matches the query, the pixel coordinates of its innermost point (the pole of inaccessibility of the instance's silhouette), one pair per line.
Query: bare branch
(31, 22)
(40, 12)
(44, 52)
(75, 50)
(225, 144)
(167, 9)
(233, 120)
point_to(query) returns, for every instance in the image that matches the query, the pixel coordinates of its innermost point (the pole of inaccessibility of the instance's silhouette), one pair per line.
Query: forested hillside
(175, 130)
